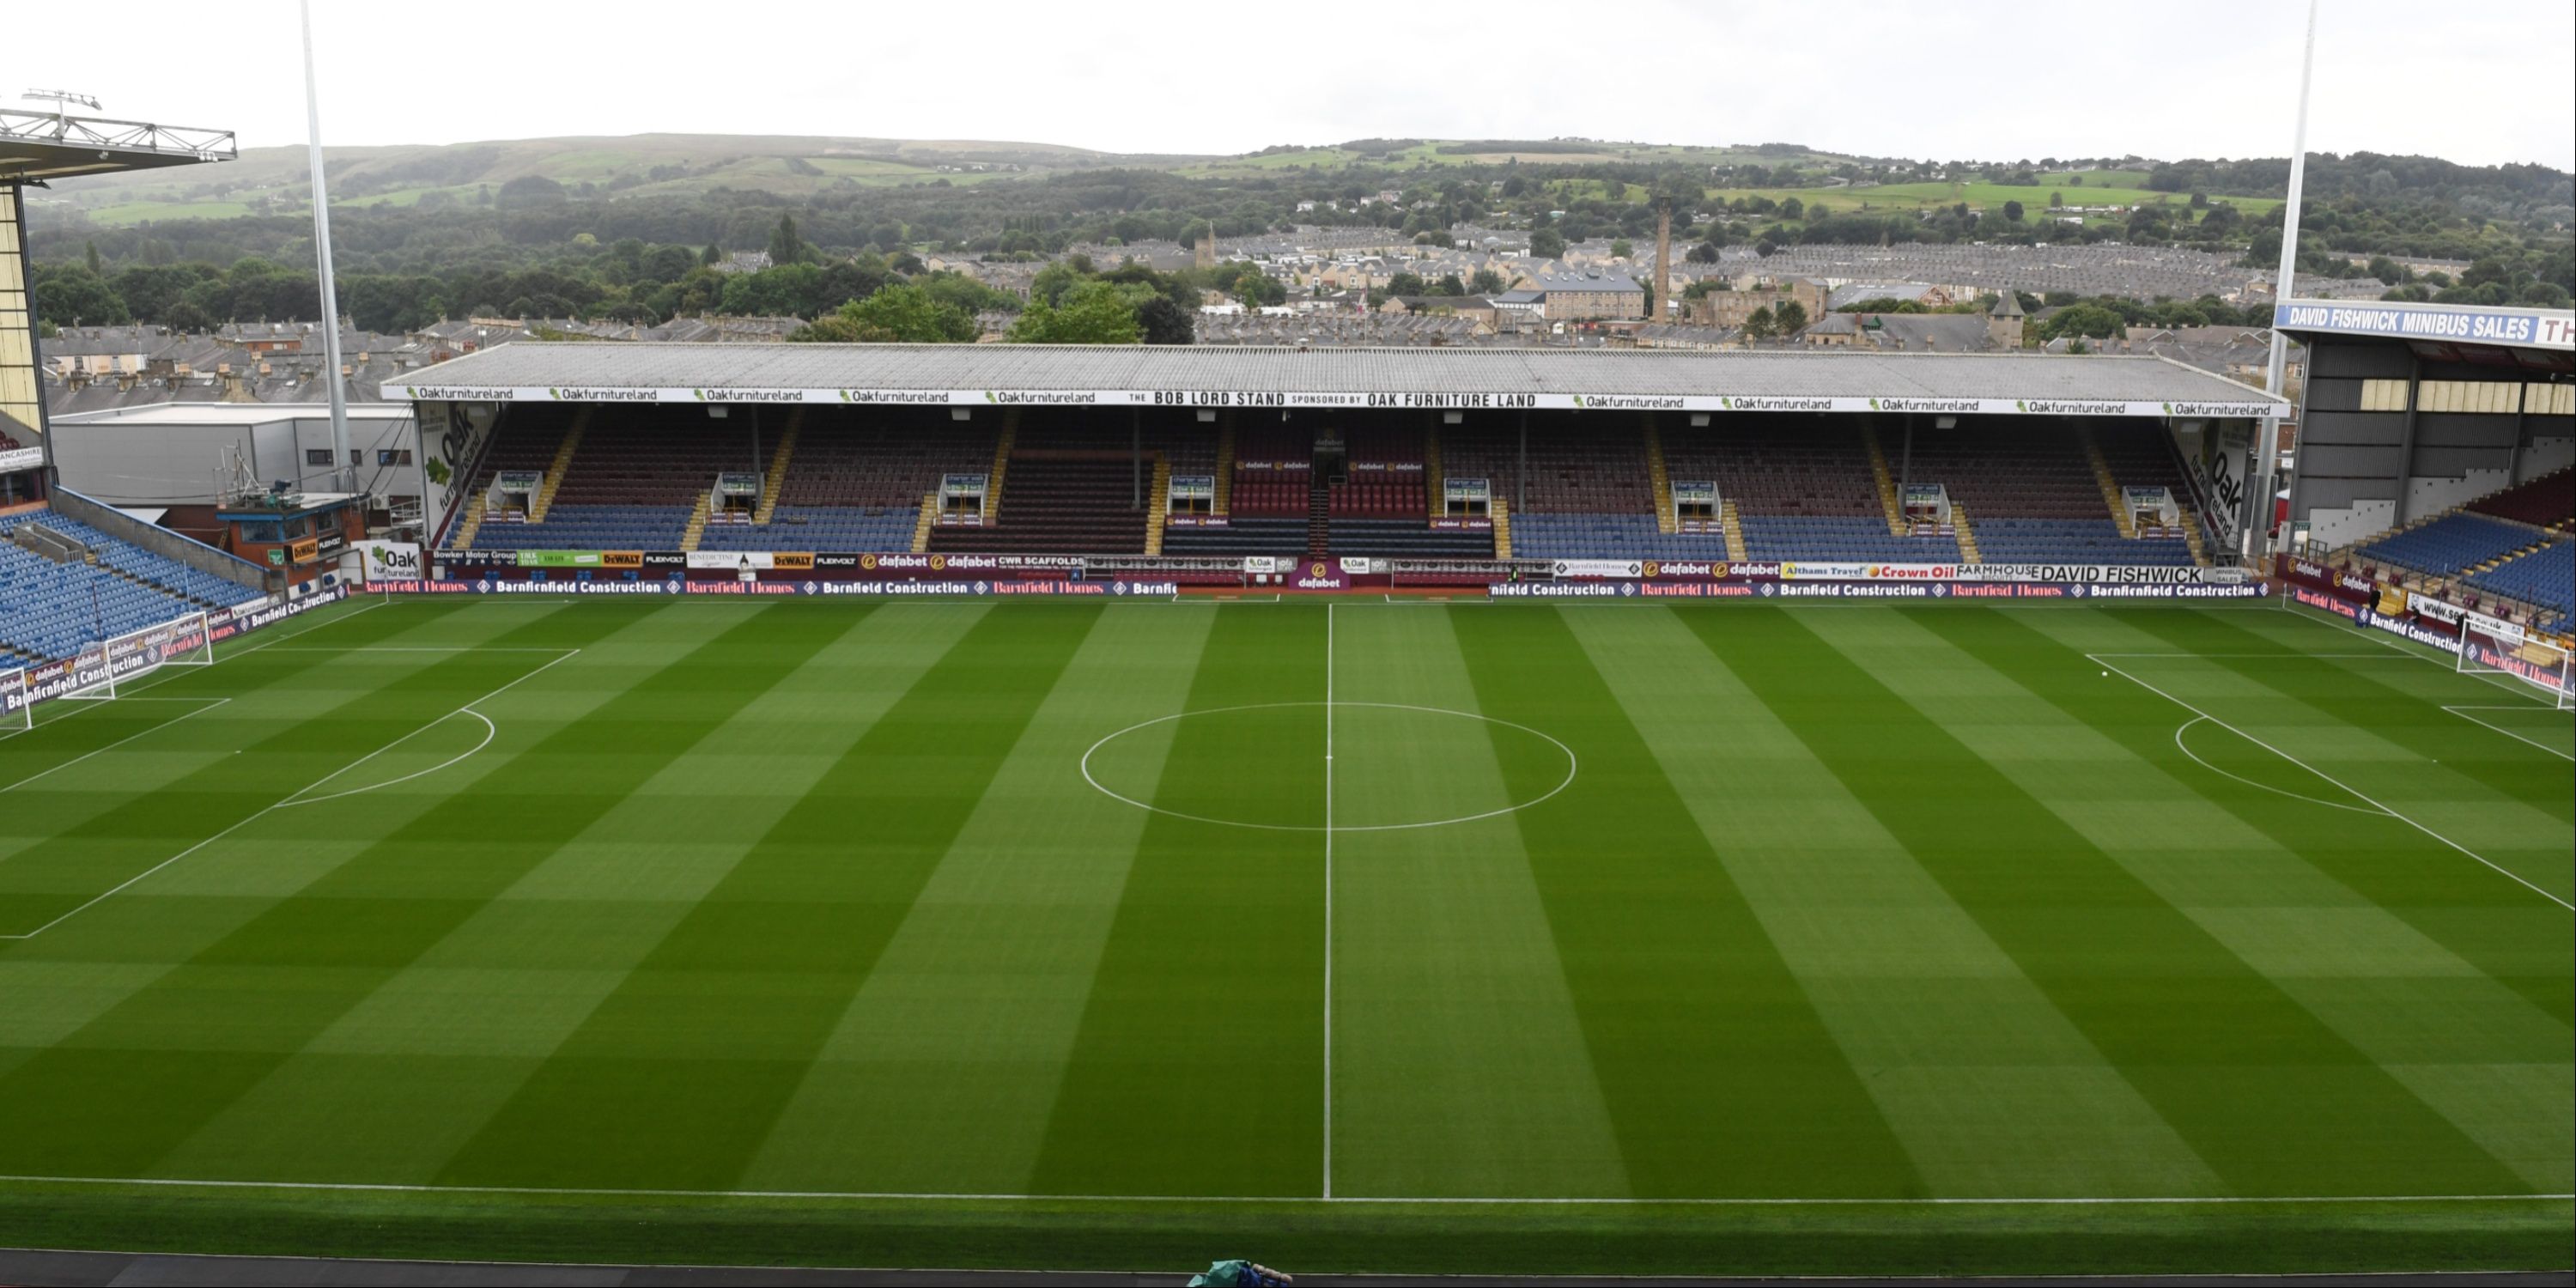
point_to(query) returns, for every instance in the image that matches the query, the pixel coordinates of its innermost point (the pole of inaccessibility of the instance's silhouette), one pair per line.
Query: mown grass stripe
(138, 1081)
(1720, 1076)
(2272, 1099)
(682, 1071)
(1992, 1089)
(2509, 934)
(1199, 1065)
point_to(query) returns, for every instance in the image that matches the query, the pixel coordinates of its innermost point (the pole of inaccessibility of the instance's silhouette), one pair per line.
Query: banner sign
(1193, 487)
(21, 458)
(391, 561)
(2520, 328)
(1934, 590)
(518, 481)
(2251, 404)
(1386, 467)
(1196, 521)
(1694, 492)
(54, 679)
(947, 589)
(1595, 569)
(1317, 574)
(738, 485)
(1462, 525)
(1274, 466)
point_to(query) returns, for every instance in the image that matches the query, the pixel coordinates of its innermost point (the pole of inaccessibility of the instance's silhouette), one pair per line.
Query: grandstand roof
(1245, 376)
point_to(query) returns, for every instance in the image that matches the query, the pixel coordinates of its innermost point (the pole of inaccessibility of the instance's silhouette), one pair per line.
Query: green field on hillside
(1379, 936)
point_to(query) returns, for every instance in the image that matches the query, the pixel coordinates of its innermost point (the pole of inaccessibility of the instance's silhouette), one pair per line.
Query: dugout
(2413, 409)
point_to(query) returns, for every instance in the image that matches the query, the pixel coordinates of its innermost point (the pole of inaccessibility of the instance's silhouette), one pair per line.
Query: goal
(2492, 645)
(102, 669)
(17, 715)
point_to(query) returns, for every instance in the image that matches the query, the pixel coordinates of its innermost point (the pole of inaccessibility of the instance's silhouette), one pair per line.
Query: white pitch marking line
(1572, 767)
(211, 704)
(1328, 899)
(2278, 791)
(2358, 794)
(2401, 648)
(490, 731)
(289, 799)
(2463, 713)
(361, 1187)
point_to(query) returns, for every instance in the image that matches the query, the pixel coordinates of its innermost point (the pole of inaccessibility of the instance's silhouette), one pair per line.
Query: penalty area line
(2102, 659)
(2180, 1200)
(211, 704)
(295, 797)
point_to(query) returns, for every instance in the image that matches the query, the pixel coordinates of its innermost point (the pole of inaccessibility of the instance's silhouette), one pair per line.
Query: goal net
(17, 715)
(2492, 645)
(103, 669)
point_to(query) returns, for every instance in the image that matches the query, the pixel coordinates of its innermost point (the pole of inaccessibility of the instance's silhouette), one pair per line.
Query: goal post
(17, 714)
(2491, 645)
(103, 668)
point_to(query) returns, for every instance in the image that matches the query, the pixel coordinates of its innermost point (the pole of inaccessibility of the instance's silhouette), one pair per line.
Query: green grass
(136, 212)
(751, 928)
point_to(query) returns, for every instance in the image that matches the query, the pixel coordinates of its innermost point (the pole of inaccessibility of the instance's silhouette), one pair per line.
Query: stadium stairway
(2111, 494)
(1665, 521)
(1001, 466)
(921, 526)
(1968, 552)
(696, 531)
(1502, 511)
(1886, 479)
(1158, 505)
(778, 461)
(1224, 502)
(544, 500)
(1434, 492)
(1319, 518)
(1733, 523)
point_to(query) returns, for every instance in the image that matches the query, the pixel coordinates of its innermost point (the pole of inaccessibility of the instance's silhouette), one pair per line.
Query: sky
(2482, 82)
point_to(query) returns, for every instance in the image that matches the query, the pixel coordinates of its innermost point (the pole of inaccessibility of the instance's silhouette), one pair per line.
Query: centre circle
(1337, 766)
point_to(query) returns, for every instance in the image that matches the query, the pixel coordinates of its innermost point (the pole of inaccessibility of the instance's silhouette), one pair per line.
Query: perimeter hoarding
(1428, 400)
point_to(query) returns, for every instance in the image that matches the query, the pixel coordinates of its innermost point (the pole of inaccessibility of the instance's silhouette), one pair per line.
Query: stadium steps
(1224, 503)
(2191, 532)
(1887, 498)
(545, 497)
(2111, 495)
(1968, 552)
(1502, 528)
(1319, 517)
(1433, 492)
(1161, 494)
(1665, 521)
(777, 480)
(1733, 523)
(472, 522)
(691, 535)
(1001, 465)
(929, 519)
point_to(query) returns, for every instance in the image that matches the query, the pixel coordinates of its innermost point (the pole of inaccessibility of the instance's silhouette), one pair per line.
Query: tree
(1790, 316)
(1760, 325)
(531, 191)
(2056, 200)
(1092, 313)
(1486, 282)
(1163, 322)
(1547, 243)
(906, 314)
(712, 255)
(786, 245)
(91, 256)
(2012, 212)
(1793, 208)
(1406, 284)
(1619, 249)
(65, 296)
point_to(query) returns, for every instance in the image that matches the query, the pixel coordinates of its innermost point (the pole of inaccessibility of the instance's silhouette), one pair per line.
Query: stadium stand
(1279, 538)
(859, 486)
(1058, 502)
(2544, 578)
(1801, 489)
(1610, 536)
(2545, 502)
(528, 438)
(53, 607)
(2450, 545)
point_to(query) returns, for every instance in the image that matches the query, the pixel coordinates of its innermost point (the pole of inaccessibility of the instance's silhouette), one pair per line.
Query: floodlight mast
(2275, 371)
(63, 100)
(343, 471)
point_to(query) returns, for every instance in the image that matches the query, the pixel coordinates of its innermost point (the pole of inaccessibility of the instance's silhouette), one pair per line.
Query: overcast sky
(2483, 81)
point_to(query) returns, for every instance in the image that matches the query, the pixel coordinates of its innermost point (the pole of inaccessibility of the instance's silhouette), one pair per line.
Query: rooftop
(973, 375)
(37, 146)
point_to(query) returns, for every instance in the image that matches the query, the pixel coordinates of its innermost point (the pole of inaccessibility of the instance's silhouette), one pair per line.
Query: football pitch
(1371, 936)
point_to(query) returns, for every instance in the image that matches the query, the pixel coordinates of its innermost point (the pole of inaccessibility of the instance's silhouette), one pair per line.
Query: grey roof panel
(1048, 368)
